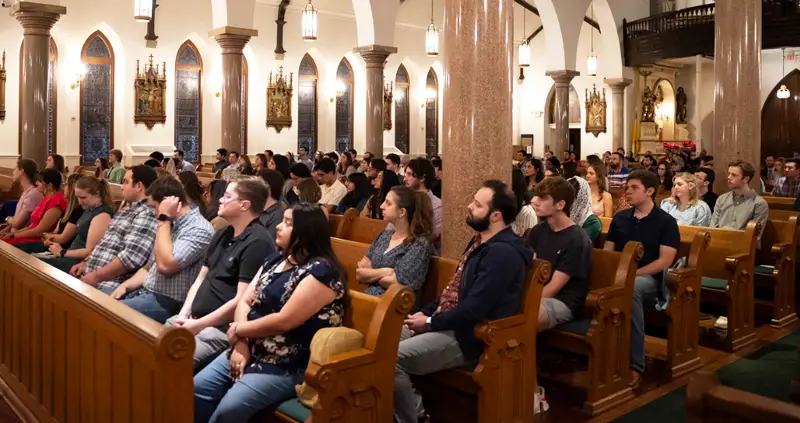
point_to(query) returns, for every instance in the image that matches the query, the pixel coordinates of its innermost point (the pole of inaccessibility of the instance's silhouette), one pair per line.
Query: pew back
(362, 229)
(338, 222)
(72, 354)
(780, 203)
(724, 243)
(349, 254)
(709, 401)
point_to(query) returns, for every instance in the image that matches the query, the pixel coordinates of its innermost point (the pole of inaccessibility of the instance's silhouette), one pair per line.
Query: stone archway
(780, 119)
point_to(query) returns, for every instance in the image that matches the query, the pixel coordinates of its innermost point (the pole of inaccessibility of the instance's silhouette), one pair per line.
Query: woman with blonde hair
(685, 204)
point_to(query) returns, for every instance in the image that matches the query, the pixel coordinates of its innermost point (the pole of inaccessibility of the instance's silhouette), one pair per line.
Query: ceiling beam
(531, 8)
(535, 33)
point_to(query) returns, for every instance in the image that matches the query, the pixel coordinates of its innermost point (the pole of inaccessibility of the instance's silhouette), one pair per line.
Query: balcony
(689, 32)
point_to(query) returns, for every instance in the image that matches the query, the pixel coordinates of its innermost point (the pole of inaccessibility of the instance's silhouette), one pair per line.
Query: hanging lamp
(591, 61)
(432, 38)
(783, 91)
(524, 47)
(143, 10)
(309, 23)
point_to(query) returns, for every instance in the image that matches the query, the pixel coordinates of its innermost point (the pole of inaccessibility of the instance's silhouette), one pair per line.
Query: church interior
(469, 87)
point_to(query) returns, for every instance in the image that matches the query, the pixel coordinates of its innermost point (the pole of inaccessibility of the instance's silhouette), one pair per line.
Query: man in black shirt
(658, 233)
(234, 257)
(705, 185)
(563, 244)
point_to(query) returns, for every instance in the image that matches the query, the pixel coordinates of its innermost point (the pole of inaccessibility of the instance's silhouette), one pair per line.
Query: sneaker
(540, 404)
(722, 323)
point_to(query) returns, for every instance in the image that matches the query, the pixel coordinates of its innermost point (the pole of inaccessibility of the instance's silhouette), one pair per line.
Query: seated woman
(94, 196)
(65, 229)
(602, 203)
(358, 192)
(17, 214)
(47, 214)
(297, 292)
(382, 184)
(194, 190)
(581, 210)
(101, 168)
(297, 173)
(401, 253)
(684, 204)
(526, 216)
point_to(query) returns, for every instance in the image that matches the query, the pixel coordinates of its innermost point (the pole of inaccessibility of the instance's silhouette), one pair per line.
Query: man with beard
(487, 285)
(563, 244)
(616, 171)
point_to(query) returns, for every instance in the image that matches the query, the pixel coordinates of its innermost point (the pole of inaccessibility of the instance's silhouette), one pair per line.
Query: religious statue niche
(596, 111)
(151, 89)
(3, 87)
(648, 105)
(279, 101)
(680, 106)
(388, 89)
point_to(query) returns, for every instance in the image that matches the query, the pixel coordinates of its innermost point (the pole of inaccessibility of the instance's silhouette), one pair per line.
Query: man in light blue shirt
(185, 166)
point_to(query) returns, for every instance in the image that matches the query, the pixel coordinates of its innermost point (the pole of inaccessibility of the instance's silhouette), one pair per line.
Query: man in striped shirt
(617, 173)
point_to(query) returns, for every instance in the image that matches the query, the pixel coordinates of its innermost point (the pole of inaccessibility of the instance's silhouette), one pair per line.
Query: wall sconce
(80, 73)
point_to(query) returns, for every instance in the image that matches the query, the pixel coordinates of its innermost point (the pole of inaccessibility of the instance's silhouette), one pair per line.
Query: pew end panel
(775, 267)
(349, 254)
(603, 336)
(338, 222)
(708, 401)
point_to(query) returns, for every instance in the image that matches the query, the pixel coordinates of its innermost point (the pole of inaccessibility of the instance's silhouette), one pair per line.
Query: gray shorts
(557, 312)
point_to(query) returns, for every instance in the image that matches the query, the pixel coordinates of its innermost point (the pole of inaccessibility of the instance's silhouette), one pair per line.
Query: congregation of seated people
(246, 262)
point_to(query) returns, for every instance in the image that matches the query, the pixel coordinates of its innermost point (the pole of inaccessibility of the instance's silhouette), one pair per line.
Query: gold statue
(596, 107)
(151, 89)
(648, 105)
(279, 101)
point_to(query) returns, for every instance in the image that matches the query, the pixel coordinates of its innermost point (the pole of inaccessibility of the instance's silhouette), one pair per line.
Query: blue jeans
(218, 400)
(645, 289)
(155, 306)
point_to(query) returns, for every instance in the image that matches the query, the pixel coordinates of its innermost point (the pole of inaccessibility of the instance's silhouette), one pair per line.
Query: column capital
(375, 55)
(562, 77)
(37, 18)
(617, 84)
(232, 39)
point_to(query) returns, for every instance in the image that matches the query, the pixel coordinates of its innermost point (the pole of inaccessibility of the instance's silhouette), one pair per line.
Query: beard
(479, 224)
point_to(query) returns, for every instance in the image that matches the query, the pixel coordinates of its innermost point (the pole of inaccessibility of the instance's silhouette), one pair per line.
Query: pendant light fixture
(591, 61)
(783, 92)
(309, 23)
(524, 47)
(143, 10)
(432, 38)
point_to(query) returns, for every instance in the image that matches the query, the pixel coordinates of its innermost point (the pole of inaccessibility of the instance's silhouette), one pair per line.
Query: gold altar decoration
(279, 101)
(3, 87)
(648, 105)
(596, 107)
(388, 89)
(151, 90)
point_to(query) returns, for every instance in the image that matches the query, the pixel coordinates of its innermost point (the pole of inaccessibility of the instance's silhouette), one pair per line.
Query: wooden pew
(70, 353)
(775, 267)
(604, 335)
(338, 221)
(360, 229)
(780, 203)
(783, 214)
(680, 352)
(358, 386)
(707, 401)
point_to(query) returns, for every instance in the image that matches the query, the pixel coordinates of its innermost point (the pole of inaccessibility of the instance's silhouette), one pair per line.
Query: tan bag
(326, 343)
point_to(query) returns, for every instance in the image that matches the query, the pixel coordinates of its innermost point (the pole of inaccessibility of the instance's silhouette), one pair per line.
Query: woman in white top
(602, 203)
(685, 204)
(526, 218)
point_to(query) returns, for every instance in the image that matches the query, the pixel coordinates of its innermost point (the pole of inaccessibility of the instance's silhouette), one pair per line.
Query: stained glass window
(243, 132)
(97, 95)
(401, 110)
(344, 107)
(431, 114)
(307, 104)
(188, 106)
(52, 97)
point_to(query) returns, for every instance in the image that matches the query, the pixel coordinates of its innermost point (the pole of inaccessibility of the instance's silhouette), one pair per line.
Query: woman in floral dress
(298, 291)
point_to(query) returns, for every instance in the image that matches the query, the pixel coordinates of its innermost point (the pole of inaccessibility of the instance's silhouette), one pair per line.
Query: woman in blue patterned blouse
(298, 291)
(401, 253)
(685, 204)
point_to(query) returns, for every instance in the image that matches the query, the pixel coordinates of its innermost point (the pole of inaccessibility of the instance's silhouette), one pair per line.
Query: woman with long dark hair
(383, 183)
(299, 290)
(283, 167)
(216, 189)
(665, 176)
(56, 161)
(101, 168)
(194, 190)
(47, 214)
(526, 216)
(261, 163)
(358, 192)
(534, 173)
(65, 230)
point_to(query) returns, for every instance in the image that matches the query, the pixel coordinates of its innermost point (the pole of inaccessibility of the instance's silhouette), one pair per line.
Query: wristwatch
(164, 218)
(428, 324)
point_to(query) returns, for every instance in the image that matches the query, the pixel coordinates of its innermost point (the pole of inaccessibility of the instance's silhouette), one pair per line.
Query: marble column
(737, 75)
(232, 40)
(562, 78)
(37, 20)
(374, 57)
(618, 112)
(477, 119)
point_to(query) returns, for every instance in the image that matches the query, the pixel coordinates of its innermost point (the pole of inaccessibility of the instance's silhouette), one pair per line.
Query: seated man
(486, 286)
(420, 176)
(181, 240)
(658, 232)
(566, 246)
(128, 242)
(789, 184)
(233, 258)
(332, 189)
(741, 204)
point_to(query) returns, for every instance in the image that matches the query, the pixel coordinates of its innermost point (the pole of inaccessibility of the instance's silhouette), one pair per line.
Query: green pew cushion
(295, 409)
(714, 283)
(578, 327)
(764, 270)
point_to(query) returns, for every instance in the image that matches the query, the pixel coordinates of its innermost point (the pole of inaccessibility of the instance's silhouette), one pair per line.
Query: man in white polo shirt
(332, 190)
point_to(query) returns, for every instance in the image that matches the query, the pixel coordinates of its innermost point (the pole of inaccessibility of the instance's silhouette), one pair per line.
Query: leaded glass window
(97, 95)
(401, 110)
(188, 104)
(344, 107)
(431, 114)
(307, 104)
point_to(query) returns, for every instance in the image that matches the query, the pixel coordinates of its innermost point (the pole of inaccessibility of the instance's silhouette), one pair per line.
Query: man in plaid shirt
(128, 242)
(159, 289)
(789, 184)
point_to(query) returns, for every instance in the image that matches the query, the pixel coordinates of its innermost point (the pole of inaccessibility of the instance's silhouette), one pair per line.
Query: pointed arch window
(431, 114)
(307, 104)
(245, 83)
(189, 102)
(97, 99)
(344, 106)
(52, 97)
(401, 109)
